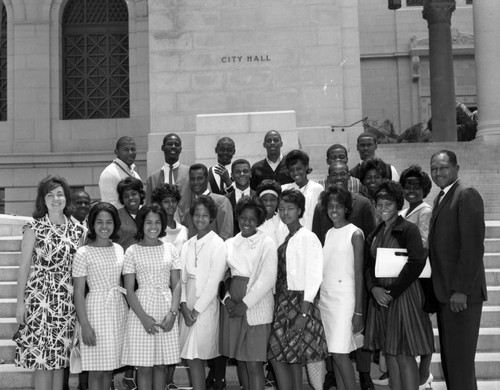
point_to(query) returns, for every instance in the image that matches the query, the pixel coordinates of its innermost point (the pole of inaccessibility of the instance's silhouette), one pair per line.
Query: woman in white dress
(203, 260)
(103, 313)
(168, 197)
(297, 163)
(269, 192)
(341, 293)
(152, 336)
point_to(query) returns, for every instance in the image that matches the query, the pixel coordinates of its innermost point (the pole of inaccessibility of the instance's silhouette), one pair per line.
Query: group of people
(255, 263)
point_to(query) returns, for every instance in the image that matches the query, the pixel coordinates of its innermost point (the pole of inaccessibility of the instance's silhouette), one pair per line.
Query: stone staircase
(478, 168)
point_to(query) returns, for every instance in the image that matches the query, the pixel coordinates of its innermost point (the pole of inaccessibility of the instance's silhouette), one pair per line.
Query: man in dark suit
(219, 176)
(363, 216)
(273, 166)
(172, 172)
(240, 173)
(223, 222)
(456, 249)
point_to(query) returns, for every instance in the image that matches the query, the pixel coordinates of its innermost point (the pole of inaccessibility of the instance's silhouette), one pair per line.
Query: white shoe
(427, 384)
(382, 381)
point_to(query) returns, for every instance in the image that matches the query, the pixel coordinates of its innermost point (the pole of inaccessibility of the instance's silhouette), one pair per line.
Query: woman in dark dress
(396, 322)
(297, 335)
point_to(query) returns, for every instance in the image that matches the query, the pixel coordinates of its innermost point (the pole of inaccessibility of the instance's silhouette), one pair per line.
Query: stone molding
(438, 11)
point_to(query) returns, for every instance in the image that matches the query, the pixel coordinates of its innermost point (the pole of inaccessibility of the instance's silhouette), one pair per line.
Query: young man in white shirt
(240, 173)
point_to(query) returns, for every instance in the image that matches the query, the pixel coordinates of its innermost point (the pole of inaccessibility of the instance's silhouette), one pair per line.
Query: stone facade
(395, 62)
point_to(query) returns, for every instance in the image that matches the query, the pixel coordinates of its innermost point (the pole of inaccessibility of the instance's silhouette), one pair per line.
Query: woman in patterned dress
(297, 335)
(102, 313)
(45, 310)
(203, 259)
(168, 197)
(152, 336)
(396, 321)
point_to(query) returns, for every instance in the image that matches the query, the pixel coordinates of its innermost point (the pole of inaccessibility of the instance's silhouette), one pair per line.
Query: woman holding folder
(396, 322)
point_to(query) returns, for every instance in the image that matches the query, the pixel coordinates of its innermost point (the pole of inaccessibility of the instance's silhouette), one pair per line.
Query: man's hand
(458, 302)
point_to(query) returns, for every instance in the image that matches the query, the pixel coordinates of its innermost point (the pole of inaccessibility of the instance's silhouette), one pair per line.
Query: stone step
(10, 258)
(492, 229)
(488, 341)
(492, 276)
(8, 307)
(8, 272)
(8, 289)
(15, 378)
(487, 366)
(8, 326)
(491, 260)
(493, 295)
(10, 244)
(492, 245)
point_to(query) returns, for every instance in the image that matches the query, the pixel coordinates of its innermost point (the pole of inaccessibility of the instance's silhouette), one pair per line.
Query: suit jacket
(362, 216)
(232, 199)
(157, 178)
(214, 183)
(223, 222)
(456, 245)
(262, 170)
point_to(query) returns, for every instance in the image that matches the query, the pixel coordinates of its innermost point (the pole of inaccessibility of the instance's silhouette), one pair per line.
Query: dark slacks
(458, 334)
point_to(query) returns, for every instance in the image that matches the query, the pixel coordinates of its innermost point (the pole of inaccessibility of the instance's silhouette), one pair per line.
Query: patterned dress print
(44, 342)
(151, 266)
(285, 344)
(105, 305)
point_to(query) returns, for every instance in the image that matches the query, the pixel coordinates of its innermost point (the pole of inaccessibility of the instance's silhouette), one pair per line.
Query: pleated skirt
(238, 339)
(403, 328)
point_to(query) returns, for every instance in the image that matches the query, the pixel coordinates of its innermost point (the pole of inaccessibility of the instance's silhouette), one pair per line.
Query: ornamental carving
(436, 11)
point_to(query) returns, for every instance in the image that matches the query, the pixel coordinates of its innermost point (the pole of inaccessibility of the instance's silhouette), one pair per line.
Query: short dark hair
(164, 191)
(252, 203)
(423, 178)
(171, 135)
(44, 187)
(197, 167)
(141, 216)
(372, 163)
(451, 155)
(130, 183)
(335, 146)
(239, 161)
(95, 210)
(367, 134)
(269, 184)
(122, 140)
(206, 201)
(340, 194)
(297, 155)
(391, 190)
(296, 197)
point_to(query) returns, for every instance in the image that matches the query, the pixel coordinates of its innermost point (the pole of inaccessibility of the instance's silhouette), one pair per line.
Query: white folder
(390, 262)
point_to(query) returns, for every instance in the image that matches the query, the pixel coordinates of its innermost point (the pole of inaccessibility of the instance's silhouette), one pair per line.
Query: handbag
(75, 358)
(390, 262)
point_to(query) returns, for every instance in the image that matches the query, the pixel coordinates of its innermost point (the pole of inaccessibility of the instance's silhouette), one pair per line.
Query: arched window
(3, 66)
(95, 59)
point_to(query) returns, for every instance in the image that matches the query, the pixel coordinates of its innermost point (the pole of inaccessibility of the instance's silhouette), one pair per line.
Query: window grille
(95, 59)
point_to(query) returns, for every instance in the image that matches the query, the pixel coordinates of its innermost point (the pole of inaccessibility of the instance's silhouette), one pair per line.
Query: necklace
(196, 253)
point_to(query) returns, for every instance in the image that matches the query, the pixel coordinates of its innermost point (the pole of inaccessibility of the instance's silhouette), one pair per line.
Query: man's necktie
(171, 174)
(438, 199)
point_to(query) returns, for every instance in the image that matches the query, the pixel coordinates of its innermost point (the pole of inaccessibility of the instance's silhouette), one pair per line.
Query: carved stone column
(487, 53)
(438, 16)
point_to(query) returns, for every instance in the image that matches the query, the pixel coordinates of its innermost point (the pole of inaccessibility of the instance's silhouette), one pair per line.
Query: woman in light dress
(45, 311)
(297, 163)
(416, 186)
(203, 259)
(103, 312)
(168, 197)
(249, 304)
(152, 337)
(341, 294)
(269, 192)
